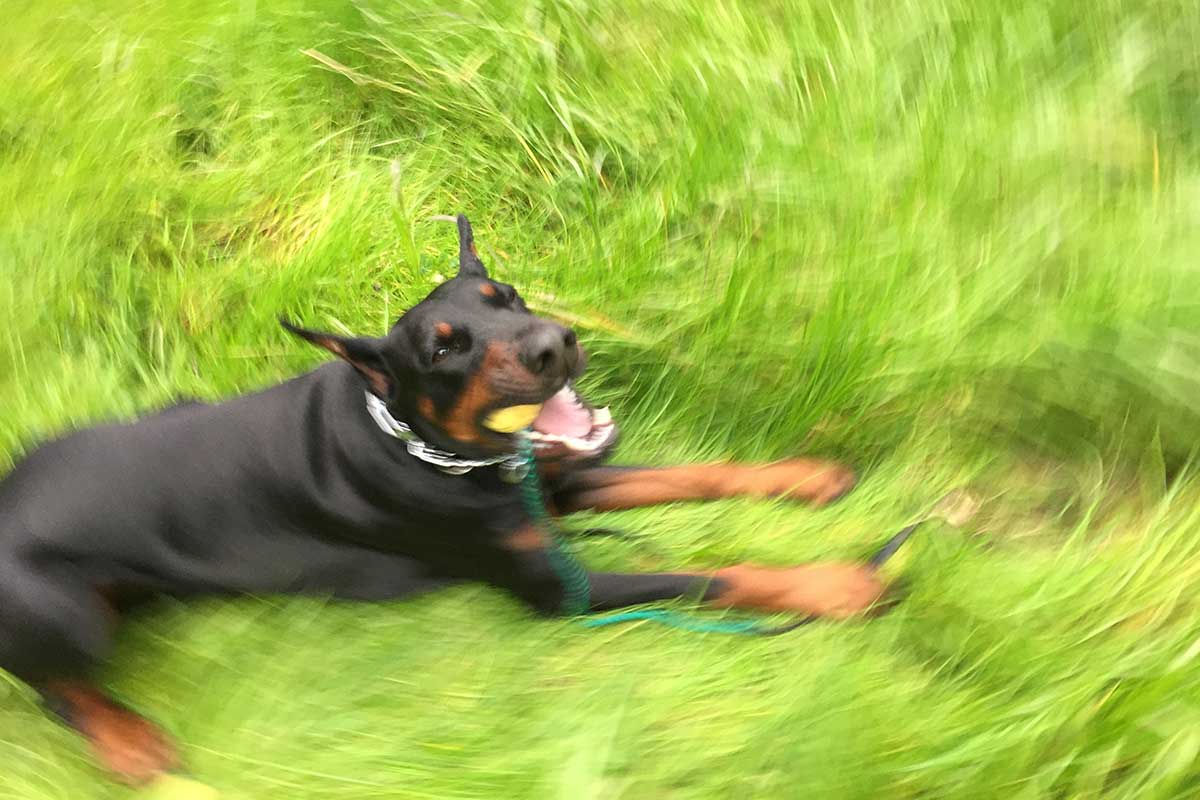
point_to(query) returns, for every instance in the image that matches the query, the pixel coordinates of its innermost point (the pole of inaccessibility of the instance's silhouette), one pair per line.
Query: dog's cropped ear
(469, 265)
(362, 352)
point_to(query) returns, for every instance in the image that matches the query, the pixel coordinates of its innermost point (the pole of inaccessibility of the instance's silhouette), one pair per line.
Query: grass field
(953, 243)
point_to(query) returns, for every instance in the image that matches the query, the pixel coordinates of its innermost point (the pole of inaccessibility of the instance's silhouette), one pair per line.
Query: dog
(387, 472)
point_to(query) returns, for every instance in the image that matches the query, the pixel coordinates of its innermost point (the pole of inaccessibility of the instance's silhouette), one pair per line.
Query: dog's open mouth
(564, 426)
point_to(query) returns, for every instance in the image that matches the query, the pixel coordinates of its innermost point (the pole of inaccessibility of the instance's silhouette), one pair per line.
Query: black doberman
(386, 473)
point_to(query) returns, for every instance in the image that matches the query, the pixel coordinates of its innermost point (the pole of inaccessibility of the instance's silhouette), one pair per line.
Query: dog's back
(260, 493)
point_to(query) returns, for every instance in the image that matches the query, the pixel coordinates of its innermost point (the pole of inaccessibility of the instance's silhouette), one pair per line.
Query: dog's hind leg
(613, 488)
(54, 628)
(132, 748)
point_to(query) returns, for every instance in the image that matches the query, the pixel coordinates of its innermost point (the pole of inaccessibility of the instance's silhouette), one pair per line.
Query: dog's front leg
(824, 589)
(613, 488)
(819, 589)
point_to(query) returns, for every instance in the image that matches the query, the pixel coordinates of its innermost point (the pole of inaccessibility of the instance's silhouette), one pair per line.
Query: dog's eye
(440, 354)
(513, 300)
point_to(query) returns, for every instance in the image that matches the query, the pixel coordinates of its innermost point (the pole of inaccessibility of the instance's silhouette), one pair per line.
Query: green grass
(954, 243)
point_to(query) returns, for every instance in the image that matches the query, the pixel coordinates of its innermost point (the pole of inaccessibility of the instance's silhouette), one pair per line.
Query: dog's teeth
(601, 416)
(532, 434)
(578, 445)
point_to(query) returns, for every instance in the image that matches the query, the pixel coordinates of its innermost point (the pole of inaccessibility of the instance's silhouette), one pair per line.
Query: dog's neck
(513, 466)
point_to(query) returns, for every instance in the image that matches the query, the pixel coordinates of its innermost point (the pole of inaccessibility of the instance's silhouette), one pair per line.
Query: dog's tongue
(564, 415)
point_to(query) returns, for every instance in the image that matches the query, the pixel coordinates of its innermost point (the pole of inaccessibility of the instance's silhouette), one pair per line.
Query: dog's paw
(809, 480)
(824, 590)
(834, 482)
(833, 590)
(131, 748)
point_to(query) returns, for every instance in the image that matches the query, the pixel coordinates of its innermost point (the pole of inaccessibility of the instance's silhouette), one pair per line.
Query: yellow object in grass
(177, 787)
(513, 418)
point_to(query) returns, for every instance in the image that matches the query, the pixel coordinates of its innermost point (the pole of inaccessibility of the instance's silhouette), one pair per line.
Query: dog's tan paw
(813, 481)
(832, 589)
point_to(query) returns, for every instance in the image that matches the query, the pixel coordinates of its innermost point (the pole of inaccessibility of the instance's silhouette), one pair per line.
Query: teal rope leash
(577, 589)
(688, 622)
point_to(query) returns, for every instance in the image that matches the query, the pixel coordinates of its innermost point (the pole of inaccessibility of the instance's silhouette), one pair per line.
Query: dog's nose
(549, 350)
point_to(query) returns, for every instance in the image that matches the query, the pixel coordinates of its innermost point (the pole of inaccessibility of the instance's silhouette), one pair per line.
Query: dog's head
(469, 367)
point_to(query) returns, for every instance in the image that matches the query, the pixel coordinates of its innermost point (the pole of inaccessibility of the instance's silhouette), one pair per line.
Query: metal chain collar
(513, 466)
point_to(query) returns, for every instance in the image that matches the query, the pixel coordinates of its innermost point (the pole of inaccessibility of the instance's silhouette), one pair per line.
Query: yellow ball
(176, 787)
(513, 418)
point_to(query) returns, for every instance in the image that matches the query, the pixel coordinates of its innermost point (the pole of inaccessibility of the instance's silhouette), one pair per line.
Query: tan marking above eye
(487, 290)
(444, 330)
